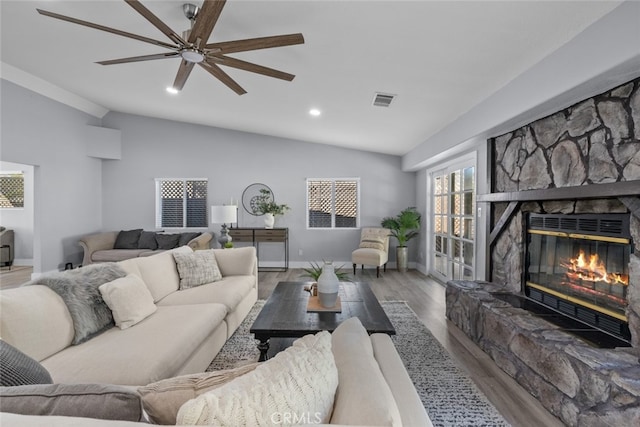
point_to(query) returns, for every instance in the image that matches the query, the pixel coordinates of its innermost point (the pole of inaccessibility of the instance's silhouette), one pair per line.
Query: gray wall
(68, 186)
(231, 160)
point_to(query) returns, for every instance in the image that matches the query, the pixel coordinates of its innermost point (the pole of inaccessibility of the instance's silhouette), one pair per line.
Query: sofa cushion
(79, 290)
(35, 320)
(76, 400)
(115, 255)
(167, 241)
(185, 238)
(147, 240)
(7, 419)
(229, 291)
(197, 268)
(363, 396)
(127, 239)
(16, 368)
(236, 261)
(300, 380)
(158, 272)
(129, 300)
(154, 349)
(162, 400)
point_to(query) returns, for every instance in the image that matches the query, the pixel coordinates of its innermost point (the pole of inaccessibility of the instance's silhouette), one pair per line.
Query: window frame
(333, 203)
(158, 204)
(22, 176)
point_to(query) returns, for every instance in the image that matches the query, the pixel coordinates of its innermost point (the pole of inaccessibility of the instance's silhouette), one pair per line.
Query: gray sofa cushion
(167, 241)
(16, 368)
(147, 240)
(102, 401)
(128, 239)
(79, 291)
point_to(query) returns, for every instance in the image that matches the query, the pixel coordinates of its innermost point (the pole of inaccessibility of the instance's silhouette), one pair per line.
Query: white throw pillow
(297, 386)
(197, 268)
(129, 299)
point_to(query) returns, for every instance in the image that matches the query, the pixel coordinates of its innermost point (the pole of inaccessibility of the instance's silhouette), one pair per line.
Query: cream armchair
(6, 250)
(373, 249)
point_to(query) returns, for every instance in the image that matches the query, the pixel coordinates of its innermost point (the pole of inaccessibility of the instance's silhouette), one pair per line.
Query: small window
(333, 203)
(181, 203)
(11, 190)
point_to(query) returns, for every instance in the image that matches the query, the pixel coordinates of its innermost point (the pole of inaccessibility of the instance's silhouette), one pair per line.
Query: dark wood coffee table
(285, 315)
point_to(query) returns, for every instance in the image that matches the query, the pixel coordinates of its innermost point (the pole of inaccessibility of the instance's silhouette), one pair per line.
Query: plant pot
(269, 220)
(402, 258)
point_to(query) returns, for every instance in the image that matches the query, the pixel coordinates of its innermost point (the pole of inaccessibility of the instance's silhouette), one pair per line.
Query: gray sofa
(6, 247)
(102, 247)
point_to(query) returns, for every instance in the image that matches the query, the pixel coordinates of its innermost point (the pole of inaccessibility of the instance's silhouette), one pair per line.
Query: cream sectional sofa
(183, 336)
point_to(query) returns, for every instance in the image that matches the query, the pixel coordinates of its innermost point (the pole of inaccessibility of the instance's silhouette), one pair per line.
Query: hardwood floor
(427, 299)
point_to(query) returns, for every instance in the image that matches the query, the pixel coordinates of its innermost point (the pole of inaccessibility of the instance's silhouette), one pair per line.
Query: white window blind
(181, 202)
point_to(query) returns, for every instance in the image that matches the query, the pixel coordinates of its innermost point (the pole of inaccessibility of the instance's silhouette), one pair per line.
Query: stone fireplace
(580, 165)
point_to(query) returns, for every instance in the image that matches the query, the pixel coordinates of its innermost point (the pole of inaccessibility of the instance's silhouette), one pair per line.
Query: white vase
(328, 285)
(269, 220)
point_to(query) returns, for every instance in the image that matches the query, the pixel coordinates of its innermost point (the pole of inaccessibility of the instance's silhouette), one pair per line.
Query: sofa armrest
(411, 409)
(97, 242)
(201, 242)
(238, 262)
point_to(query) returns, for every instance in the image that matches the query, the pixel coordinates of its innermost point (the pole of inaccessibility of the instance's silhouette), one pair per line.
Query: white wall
(20, 220)
(232, 160)
(67, 183)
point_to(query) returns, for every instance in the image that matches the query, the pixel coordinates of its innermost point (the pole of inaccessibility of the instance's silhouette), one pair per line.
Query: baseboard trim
(27, 262)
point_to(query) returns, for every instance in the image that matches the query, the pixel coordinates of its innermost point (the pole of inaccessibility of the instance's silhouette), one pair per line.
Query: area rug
(448, 394)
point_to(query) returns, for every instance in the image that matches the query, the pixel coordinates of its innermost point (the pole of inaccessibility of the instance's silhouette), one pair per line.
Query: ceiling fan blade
(248, 66)
(139, 58)
(205, 21)
(149, 16)
(183, 74)
(216, 72)
(107, 29)
(257, 43)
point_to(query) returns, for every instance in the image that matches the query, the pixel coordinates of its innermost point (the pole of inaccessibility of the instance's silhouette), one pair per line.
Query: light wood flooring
(427, 299)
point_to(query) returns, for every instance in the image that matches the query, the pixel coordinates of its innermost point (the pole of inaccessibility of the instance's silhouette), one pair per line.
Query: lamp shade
(224, 214)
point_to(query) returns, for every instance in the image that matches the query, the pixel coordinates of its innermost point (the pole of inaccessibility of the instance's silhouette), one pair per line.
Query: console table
(255, 236)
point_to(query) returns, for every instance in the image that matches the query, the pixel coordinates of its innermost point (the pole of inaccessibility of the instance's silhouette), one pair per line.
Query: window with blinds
(333, 203)
(11, 190)
(181, 203)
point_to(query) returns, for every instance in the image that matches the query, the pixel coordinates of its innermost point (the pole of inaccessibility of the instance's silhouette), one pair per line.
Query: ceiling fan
(192, 46)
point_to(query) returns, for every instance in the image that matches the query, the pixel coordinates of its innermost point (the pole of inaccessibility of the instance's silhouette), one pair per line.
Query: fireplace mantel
(591, 191)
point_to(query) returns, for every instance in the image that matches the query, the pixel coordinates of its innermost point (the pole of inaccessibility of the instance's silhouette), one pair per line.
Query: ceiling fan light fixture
(192, 55)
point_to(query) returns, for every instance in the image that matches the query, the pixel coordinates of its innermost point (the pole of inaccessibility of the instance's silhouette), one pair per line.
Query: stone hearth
(580, 384)
(596, 141)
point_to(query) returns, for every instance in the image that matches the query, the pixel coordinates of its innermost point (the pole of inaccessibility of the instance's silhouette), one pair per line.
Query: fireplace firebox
(578, 265)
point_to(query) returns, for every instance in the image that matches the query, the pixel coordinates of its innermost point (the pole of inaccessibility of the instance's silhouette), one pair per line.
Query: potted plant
(315, 271)
(265, 205)
(403, 227)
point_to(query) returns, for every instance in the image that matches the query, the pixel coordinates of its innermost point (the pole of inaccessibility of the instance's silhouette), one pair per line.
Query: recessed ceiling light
(315, 112)
(172, 90)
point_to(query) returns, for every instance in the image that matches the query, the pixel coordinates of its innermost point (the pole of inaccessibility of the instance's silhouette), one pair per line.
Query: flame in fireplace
(591, 268)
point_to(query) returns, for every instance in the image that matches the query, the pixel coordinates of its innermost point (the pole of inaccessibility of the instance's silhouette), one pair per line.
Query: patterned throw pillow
(372, 242)
(197, 268)
(300, 381)
(16, 368)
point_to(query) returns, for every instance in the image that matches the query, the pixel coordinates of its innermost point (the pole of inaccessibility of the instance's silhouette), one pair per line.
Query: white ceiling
(440, 57)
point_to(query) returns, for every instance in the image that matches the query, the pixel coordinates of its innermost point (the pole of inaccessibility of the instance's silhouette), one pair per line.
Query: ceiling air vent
(383, 99)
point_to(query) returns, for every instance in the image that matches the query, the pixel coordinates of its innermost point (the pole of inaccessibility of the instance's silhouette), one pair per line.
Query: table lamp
(223, 215)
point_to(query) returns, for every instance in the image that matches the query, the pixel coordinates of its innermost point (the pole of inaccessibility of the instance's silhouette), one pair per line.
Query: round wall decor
(250, 195)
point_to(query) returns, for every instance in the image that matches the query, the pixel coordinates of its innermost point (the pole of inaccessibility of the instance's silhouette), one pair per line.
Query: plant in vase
(315, 271)
(403, 227)
(265, 205)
